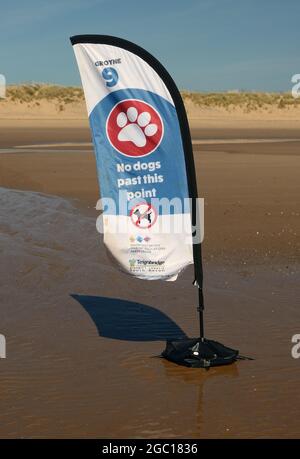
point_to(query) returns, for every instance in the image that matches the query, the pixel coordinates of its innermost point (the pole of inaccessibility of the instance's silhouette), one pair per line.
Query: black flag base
(199, 353)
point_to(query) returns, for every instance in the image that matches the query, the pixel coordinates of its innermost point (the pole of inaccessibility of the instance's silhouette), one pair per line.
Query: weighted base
(197, 353)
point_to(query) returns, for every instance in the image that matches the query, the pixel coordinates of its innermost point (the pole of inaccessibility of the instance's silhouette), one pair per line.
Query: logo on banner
(110, 75)
(134, 128)
(143, 215)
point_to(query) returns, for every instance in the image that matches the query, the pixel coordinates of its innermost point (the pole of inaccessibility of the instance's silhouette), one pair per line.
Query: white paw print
(135, 127)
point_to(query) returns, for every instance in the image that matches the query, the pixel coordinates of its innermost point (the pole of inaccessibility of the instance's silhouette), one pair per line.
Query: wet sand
(83, 339)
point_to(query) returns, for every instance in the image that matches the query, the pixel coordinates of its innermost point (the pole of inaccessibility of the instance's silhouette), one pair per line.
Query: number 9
(111, 76)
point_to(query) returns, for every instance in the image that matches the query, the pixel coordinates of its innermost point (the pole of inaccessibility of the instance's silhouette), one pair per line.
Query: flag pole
(196, 234)
(197, 252)
(201, 316)
(193, 194)
(199, 283)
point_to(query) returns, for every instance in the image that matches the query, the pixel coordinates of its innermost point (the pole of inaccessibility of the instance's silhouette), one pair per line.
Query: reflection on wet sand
(197, 379)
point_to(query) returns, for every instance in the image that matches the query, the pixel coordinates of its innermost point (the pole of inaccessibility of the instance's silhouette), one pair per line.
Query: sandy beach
(83, 340)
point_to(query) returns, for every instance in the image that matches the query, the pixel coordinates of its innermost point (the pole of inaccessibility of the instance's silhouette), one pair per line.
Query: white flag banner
(143, 154)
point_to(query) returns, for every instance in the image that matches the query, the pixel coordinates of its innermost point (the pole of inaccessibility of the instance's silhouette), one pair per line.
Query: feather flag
(143, 155)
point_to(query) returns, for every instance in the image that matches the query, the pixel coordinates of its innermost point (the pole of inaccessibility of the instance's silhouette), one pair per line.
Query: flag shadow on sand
(129, 321)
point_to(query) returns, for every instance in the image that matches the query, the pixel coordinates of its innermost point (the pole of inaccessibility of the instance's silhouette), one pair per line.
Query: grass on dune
(245, 100)
(37, 92)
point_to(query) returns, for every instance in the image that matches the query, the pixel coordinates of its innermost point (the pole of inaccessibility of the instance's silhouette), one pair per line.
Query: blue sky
(206, 45)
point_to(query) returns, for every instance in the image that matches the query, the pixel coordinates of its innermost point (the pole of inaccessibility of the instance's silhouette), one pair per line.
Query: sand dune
(53, 102)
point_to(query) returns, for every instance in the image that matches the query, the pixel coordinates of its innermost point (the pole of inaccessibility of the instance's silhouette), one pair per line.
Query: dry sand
(82, 338)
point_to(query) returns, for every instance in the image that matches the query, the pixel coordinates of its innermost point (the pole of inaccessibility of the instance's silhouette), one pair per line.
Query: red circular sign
(143, 215)
(134, 128)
